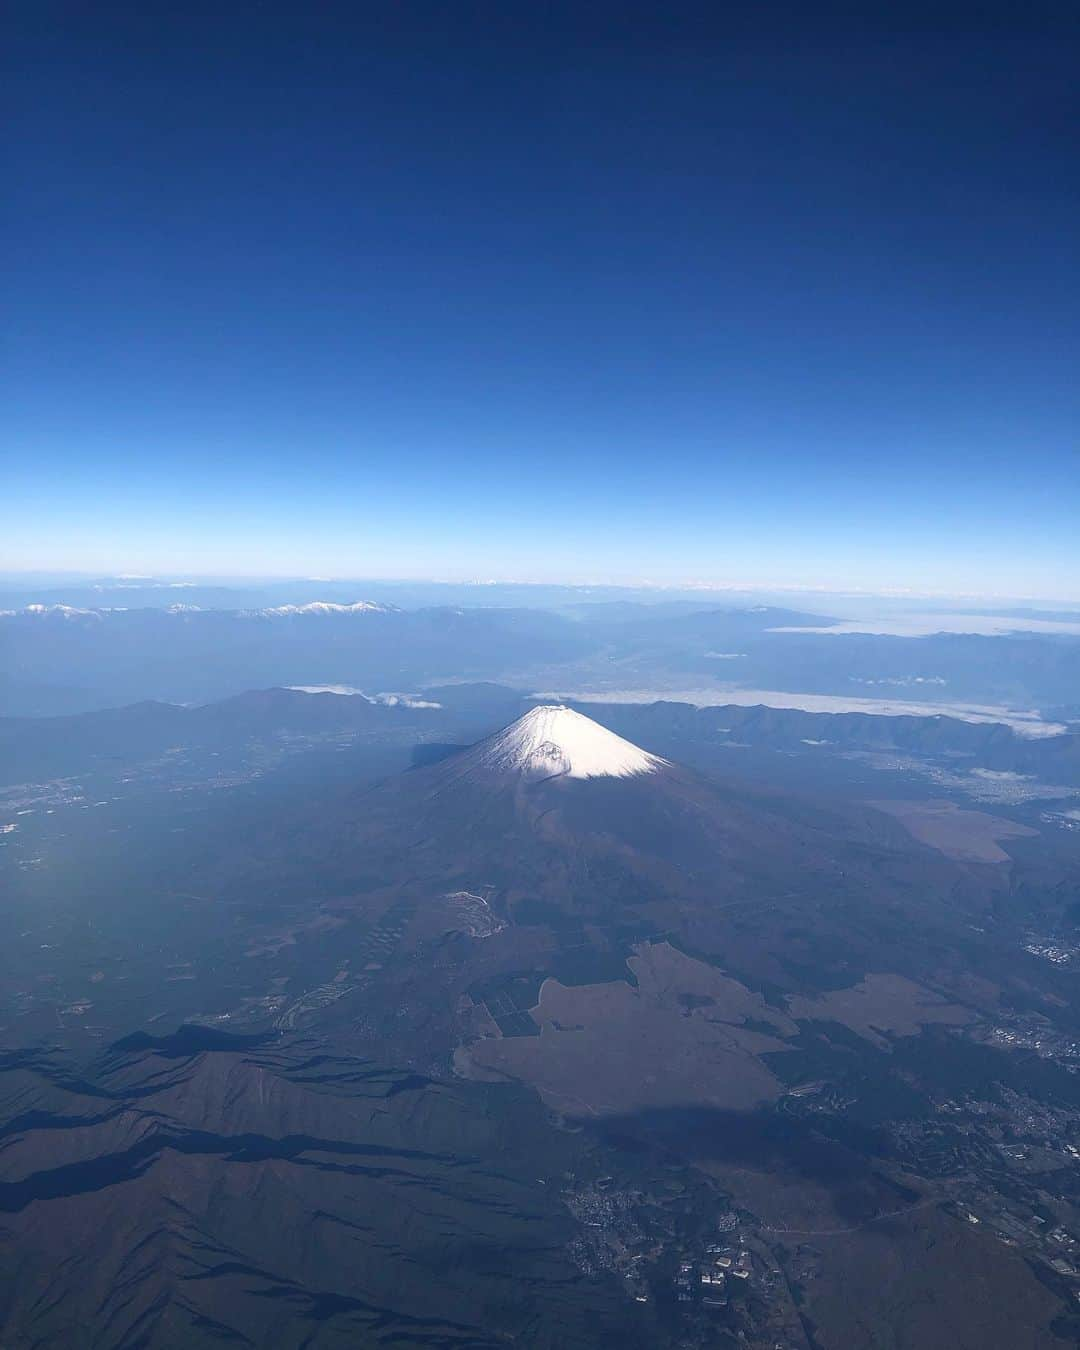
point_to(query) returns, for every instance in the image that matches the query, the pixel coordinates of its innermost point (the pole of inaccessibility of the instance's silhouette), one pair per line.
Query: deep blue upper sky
(548, 291)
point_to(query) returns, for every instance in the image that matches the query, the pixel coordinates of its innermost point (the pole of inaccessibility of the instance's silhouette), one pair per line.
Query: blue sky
(622, 292)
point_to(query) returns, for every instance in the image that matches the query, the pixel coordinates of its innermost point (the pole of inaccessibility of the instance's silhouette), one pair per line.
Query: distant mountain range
(37, 749)
(62, 658)
(183, 654)
(680, 728)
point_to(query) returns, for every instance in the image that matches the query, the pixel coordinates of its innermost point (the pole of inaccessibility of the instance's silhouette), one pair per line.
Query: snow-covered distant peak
(555, 741)
(63, 611)
(327, 607)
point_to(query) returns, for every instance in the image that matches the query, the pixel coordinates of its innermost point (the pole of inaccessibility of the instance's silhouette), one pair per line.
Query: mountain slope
(279, 1192)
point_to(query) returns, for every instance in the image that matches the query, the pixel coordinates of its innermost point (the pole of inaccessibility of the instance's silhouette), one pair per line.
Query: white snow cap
(326, 607)
(552, 740)
(63, 611)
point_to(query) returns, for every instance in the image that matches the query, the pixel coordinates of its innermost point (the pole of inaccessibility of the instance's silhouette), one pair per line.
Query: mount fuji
(553, 741)
(559, 808)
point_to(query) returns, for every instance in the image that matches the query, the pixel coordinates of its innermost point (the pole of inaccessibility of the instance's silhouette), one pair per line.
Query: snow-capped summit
(553, 741)
(325, 607)
(62, 612)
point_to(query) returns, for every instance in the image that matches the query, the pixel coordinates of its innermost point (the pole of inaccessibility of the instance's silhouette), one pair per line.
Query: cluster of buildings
(1060, 953)
(724, 1260)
